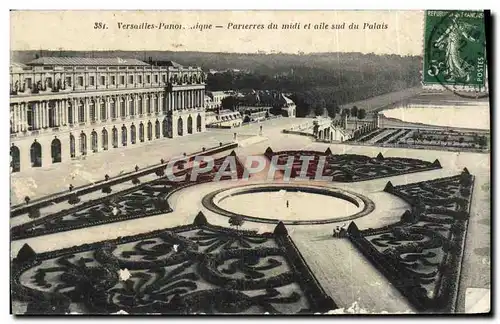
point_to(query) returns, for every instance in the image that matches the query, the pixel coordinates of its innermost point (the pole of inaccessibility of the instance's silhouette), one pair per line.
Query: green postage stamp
(454, 49)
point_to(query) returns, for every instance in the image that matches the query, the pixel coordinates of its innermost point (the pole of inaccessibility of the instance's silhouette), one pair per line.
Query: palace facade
(67, 108)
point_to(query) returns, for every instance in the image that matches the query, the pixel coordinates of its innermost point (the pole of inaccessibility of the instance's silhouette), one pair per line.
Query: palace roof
(116, 61)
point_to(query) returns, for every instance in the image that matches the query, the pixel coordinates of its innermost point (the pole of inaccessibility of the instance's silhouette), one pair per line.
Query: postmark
(455, 52)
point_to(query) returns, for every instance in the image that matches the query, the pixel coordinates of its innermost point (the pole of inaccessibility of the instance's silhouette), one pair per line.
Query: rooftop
(87, 61)
(17, 65)
(167, 63)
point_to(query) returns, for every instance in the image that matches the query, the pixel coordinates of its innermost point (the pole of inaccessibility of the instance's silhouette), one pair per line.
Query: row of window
(102, 80)
(112, 80)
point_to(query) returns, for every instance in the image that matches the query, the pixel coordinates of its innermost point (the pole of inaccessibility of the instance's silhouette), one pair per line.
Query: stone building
(65, 108)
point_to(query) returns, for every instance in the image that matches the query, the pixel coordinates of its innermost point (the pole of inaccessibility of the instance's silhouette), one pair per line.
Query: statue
(16, 86)
(451, 41)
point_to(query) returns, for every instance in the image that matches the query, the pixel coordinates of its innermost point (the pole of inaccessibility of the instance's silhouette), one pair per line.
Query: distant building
(225, 118)
(209, 104)
(281, 104)
(253, 114)
(63, 108)
(218, 96)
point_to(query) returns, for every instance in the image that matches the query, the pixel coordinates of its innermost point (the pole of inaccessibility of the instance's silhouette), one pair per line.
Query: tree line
(320, 90)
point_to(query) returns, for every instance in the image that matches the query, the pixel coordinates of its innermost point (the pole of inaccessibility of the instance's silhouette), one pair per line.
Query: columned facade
(97, 108)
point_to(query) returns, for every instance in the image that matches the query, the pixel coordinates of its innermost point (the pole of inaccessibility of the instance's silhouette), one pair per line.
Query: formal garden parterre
(212, 269)
(198, 268)
(421, 254)
(349, 167)
(445, 139)
(142, 200)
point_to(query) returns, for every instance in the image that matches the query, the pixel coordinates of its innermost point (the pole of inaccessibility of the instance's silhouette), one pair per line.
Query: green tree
(318, 110)
(461, 140)
(229, 103)
(354, 111)
(346, 112)
(361, 114)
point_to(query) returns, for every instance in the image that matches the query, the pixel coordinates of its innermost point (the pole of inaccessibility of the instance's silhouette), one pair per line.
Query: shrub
(161, 204)
(465, 192)
(73, 199)
(106, 177)
(34, 213)
(465, 179)
(236, 221)
(160, 172)
(136, 181)
(106, 189)
(27, 199)
(457, 228)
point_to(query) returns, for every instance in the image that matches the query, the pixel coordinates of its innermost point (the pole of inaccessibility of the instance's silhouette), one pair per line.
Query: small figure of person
(287, 204)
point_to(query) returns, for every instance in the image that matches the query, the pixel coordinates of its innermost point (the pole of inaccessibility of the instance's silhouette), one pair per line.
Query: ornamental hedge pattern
(182, 270)
(422, 254)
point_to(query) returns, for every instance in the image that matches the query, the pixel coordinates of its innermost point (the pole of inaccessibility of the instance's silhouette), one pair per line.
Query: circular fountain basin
(293, 204)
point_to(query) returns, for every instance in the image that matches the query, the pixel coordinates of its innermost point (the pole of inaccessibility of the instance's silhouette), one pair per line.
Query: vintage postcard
(250, 162)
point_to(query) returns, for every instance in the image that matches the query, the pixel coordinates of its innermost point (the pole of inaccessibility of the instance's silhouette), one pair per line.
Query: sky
(385, 32)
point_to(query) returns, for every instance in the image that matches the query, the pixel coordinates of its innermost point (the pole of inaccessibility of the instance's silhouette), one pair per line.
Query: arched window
(92, 111)
(103, 110)
(113, 108)
(124, 135)
(139, 106)
(132, 134)
(150, 131)
(81, 112)
(157, 129)
(190, 125)
(55, 150)
(114, 135)
(36, 155)
(104, 139)
(131, 107)
(141, 132)
(122, 107)
(83, 143)
(165, 127)
(155, 100)
(72, 146)
(198, 123)
(180, 126)
(15, 156)
(148, 105)
(93, 140)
